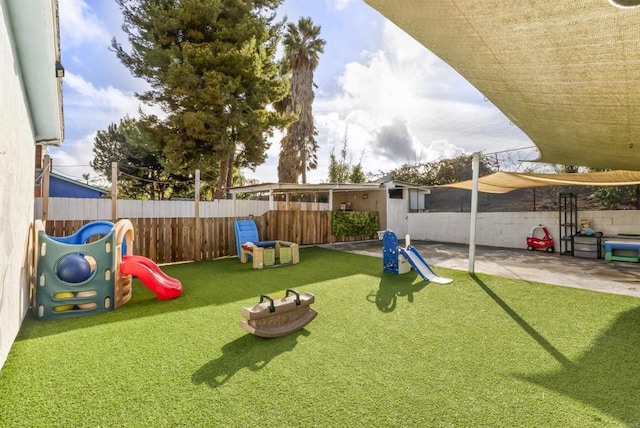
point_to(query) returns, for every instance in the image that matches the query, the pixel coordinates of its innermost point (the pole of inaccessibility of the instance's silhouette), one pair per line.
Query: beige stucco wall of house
(17, 151)
(370, 200)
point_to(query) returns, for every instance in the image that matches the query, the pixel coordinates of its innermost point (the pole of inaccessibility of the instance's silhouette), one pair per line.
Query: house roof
(34, 27)
(321, 187)
(77, 183)
(565, 72)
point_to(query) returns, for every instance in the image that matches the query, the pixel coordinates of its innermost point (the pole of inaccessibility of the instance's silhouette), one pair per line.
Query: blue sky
(394, 100)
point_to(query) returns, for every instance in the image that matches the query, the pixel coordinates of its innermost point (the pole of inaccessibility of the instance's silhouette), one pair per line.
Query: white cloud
(100, 105)
(268, 171)
(83, 94)
(79, 25)
(402, 104)
(73, 159)
(398, 104)
(340, 4)
(88, 109)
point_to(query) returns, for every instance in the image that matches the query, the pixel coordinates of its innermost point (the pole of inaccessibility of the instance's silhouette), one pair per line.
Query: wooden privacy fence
(166, 240)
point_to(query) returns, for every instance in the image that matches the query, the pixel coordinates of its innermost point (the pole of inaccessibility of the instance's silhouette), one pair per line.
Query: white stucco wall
(612, 222)
(397, 212)
(510, 229)
(17, 154)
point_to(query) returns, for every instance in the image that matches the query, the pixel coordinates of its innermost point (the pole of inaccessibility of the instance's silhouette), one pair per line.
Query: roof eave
(292, 187)
(34, 26)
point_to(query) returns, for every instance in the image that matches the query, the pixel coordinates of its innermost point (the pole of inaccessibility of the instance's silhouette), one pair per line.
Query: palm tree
(302, 47)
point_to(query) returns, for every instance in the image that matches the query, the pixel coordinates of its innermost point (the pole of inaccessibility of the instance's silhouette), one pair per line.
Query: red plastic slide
(150, 274)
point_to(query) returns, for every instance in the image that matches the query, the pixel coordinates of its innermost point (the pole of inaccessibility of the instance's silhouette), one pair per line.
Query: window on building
(416, 201)
(395, 194)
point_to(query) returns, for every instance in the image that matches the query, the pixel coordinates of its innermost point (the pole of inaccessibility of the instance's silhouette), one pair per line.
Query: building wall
(63, 189)
(397, 212)
(510, 229)
(359, 200)
(371, 200)
(17, 152)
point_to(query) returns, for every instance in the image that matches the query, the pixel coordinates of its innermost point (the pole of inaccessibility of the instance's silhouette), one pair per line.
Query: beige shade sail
(565, 72)
(503, 182)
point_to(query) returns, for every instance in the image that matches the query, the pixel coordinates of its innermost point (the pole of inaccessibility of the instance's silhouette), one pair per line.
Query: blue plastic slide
(420, 265)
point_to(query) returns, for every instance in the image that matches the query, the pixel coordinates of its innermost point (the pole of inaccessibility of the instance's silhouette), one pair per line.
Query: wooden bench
(274, 318)
(622, 251)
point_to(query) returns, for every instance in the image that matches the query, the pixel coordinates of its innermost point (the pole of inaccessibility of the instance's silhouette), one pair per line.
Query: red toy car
(540, 239)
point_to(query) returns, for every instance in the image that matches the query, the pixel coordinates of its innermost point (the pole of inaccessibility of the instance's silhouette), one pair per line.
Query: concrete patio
(592, 274)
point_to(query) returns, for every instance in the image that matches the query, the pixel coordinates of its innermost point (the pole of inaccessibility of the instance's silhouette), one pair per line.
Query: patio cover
(565, 72)
(504, 182)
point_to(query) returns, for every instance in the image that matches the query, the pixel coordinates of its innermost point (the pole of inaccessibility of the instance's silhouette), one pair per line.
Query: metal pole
(474, 211)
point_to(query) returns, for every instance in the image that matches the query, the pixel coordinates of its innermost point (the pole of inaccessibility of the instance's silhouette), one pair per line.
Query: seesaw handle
(291, 290)
(272, 307)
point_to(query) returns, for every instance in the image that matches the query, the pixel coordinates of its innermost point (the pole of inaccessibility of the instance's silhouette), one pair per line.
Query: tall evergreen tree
(298, 148)
(211, 67)
(140, 161)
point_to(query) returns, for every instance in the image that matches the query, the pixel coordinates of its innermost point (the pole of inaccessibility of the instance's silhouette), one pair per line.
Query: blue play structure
(79, 274)
(91, 271)
(390, 256)
(86, 232)
(392, 263)
(74, 268)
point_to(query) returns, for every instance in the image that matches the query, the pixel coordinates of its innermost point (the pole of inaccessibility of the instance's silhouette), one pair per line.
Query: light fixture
(59, 70)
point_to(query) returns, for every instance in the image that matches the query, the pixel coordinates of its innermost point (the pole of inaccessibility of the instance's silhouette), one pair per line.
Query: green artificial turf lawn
(385, 350)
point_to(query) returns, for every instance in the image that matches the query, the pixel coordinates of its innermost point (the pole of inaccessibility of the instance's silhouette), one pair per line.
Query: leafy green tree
(211, 67)
(445, 171)
(339, 169)
(569, 169)
(298, 148)
(140, 162)
(357, 174)
(611, 197)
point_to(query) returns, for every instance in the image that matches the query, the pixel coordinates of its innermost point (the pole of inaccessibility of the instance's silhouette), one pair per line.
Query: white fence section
(510, 229)
(100, 209)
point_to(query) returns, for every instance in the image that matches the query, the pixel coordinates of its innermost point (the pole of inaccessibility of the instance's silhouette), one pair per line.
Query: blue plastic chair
(246, 231)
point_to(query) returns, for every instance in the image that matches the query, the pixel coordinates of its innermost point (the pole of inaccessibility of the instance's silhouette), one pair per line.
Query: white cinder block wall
(17, 168)
(510, 229)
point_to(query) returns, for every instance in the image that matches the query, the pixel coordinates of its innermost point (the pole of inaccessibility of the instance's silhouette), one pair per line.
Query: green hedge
(345, 223)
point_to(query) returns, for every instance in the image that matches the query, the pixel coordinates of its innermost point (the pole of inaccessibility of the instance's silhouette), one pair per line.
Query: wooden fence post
(197, 244)
(114, 191)
(45, 187)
